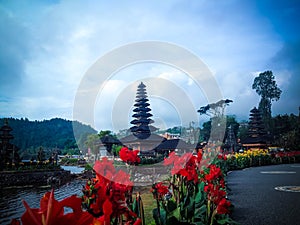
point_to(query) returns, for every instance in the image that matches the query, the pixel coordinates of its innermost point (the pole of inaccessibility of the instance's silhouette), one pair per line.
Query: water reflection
(73, 169)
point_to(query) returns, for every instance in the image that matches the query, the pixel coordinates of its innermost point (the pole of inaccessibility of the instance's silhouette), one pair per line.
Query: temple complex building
(142, 135)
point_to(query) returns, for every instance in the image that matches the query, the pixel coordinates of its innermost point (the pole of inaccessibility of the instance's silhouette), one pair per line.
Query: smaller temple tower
(256, 131)
(8, 152)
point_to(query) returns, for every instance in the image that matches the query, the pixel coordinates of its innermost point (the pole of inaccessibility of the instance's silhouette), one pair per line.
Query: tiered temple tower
(256, 131)
(8, 152)
(141, 123)
(141, 137)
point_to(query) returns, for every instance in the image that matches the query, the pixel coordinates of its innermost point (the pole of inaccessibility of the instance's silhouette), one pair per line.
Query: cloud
(15, 51)
(286, 66)
(48, 46)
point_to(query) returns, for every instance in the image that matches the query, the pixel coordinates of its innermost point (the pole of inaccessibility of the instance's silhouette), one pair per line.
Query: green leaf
(226, 220)
(199, 223)
(186, 201)
(172, 220)
(171, 206)
(191, 208)
(200, 211)
(162, 220)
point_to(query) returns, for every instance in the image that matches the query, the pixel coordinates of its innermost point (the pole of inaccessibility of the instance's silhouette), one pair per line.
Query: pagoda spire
(256, 126)
(8, 152)
(6, 136)
(257, 135)
(141, 123)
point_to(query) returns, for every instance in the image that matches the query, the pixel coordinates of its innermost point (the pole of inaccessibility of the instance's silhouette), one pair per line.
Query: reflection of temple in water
(142, 136)
(8, 152)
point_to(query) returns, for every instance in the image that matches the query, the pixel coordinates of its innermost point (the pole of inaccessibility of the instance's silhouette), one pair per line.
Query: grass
(149, 204)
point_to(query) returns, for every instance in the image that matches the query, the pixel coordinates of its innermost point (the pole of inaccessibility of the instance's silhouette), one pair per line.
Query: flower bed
(195, 193)
(260, 157)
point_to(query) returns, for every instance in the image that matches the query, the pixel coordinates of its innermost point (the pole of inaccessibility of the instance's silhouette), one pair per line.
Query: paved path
(252, 191)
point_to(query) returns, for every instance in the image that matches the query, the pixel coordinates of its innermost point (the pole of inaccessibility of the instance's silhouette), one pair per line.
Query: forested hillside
(54, 133)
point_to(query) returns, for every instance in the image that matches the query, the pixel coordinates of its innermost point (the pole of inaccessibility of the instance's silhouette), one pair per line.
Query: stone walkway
(268, 195)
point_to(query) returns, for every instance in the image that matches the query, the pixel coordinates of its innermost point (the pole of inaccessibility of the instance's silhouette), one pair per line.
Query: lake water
(11, 205)
(73, 169)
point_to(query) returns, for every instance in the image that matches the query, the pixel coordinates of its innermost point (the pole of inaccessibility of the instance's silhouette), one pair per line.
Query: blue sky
(47, 47)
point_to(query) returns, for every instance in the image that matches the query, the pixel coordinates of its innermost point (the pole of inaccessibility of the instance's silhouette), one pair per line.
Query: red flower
(161, 189)
(51, 212)
(138, 222)
(107, 210)
(104, 167)
(123, 178)
(171, 159)
(214, 173)
(222, 157)
(105, 197)
(129, 156)
(223, 206)
(199, 155)
(15, 222)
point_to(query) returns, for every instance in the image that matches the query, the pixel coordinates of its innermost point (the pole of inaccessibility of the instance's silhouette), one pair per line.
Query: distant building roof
(173, 144)
(109, 140)
(152, 138)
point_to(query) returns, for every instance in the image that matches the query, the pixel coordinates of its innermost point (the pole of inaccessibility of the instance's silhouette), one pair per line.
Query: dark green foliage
(175, 130)
(70, 161)
(285, 130)
(88, 167)
(146, 161)
(50, 134)
(242, 131)
(91, 143)
(205, 131)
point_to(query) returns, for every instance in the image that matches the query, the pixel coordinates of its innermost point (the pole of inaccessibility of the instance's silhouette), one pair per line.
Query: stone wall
(34, 178)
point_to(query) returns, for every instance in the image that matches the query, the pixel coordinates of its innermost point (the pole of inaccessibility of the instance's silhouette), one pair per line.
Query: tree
(205, 131)
(286, 131)
(92, 143)
(104, 133)
(218, 121)
(215, 109)
(231, 121)
(265, 86)
(41, 155)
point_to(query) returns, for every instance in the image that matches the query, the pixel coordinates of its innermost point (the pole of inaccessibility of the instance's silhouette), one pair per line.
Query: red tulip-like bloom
(51, 212)
(105, 196)
(129, 156)
(162, 189)
(159, 190)
(171, 159)
(223, 206)
(214, 173)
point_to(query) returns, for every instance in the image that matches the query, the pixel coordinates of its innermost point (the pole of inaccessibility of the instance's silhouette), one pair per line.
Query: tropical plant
(195, 193)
